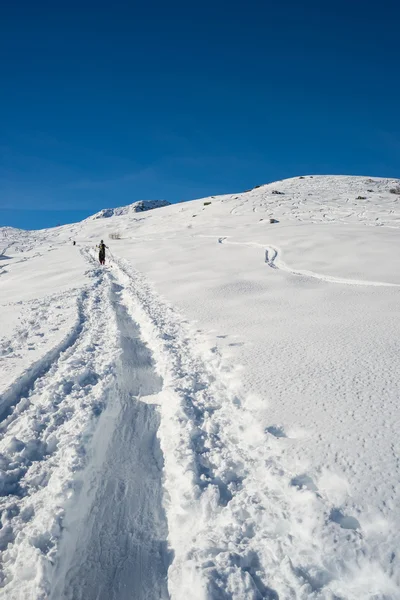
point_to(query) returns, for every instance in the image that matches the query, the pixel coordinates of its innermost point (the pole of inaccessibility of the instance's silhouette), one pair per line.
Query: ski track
(273, 260)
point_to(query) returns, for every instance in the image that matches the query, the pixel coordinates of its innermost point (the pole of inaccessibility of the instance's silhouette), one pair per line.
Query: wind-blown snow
(215, 412)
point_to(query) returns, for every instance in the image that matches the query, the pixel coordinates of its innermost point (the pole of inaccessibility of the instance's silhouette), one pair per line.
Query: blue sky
(106, 103)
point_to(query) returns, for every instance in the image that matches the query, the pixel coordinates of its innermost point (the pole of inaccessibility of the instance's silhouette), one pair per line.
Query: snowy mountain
(140, 206)
(212, 415)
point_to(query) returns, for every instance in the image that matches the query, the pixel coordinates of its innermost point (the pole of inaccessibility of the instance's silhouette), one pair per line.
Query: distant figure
(102, 253)
(74, 243)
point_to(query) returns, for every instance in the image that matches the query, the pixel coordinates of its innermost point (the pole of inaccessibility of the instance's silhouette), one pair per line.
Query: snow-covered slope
(140, 206)
(214, 414)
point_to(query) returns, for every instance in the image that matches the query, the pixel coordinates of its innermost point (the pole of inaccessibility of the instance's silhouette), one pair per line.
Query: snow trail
(117, 549)
(43, 446)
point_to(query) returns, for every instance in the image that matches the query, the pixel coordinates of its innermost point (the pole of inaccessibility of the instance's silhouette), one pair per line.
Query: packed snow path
(117, 545)
(75, 432)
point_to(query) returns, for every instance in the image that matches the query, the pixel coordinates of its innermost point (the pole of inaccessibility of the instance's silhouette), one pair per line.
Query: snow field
(271, 351)
(236, 509)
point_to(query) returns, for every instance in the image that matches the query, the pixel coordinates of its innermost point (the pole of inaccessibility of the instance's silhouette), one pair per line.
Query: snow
(123, 490)
(214, 414)
(139, 206)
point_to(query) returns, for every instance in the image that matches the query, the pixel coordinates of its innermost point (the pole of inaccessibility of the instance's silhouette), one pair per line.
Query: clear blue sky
(105, 103)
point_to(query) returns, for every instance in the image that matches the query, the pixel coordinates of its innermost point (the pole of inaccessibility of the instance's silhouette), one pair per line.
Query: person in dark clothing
(102, 253)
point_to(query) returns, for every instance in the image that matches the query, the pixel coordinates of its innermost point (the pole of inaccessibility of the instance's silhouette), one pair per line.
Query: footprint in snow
(276, 430)
(304, 482)
(344, 521)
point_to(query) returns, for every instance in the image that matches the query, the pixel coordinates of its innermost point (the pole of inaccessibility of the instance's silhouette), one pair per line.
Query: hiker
(74, 243)
(102, 253)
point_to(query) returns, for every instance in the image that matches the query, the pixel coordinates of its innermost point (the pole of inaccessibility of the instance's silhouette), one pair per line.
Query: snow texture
(214, 414)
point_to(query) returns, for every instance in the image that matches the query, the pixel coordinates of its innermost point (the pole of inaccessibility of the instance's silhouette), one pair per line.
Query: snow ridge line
(24, 384)
(44, 446)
